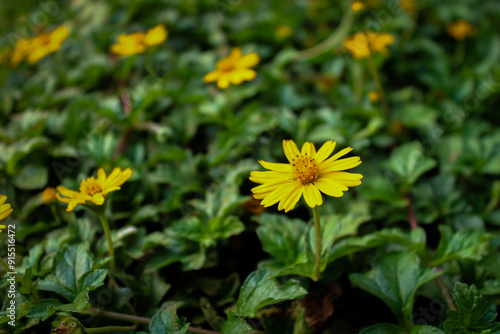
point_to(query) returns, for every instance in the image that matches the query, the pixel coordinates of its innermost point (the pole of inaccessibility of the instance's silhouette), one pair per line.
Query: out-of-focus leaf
(395, 278)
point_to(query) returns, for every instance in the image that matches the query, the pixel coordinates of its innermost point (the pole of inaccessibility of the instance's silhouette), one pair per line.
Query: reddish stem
(411, 213)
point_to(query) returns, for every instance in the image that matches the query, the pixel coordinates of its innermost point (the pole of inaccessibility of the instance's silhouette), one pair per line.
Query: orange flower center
(304, 169)
(90, 187)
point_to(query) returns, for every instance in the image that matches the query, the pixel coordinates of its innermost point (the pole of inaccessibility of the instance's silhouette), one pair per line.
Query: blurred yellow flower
(307, 173)
(373, 96)
(360, 45)
(49, 195)
(138, 42)
(156, 35)
(5, 210)
(408, 6)
(283, 31)
(460, 29)
(234, 69)
(129, 45)
(357, 6)
(38, 47)
(94, 190)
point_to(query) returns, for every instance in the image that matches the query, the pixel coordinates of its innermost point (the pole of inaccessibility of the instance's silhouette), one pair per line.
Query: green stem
(332, 41)
(109, 329)
(8, 270)
(133, 318)
(380, 88)
(317, 225)
(105, 226)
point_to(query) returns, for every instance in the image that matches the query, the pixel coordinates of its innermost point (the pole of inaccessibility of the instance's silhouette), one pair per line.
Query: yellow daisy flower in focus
(94, 190)
(234, 69)
(5, 210)
(360, 45)
(460, 29)
(308, 173)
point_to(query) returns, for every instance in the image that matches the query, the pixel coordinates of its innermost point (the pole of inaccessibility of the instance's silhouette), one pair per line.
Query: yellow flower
(38, 47)
(373, 96)
(45, 44)
(307, 173)
(5, 210)
(460, 29)
(49, 195)
(94, 190)
(131, 44)
(408, 6)
(360, 45)
(234, 69)
(283, 31)
(357, 6)
(156, 35)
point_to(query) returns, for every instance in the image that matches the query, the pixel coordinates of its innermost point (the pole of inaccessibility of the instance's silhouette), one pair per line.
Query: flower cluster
(307, 173)
(34, 49)
(361, 45)
(139, 42)
(460, 29)
(94, 190)
(5, 210)
(234, 69)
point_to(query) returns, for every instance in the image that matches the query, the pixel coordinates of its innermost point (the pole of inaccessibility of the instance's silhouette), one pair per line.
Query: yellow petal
(309, 149)
(223, 82)
(267, 176)
(330, 187)
(293, 198)
(249, 60)
(277, 167)
(325, 151)
(291, 150)
(341, 164)
(312, 195)
(212, 76)
(98, 199)
(3, 198)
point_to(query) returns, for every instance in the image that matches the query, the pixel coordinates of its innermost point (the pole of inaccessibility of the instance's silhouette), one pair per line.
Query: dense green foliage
(413, 249)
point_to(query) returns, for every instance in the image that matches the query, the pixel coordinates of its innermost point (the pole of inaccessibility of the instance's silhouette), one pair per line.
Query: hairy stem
(107, 231)
(317, 225)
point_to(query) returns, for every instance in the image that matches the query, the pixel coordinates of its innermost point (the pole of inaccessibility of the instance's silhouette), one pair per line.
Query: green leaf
(31, 177)
(395, 278)
(235, 325)
(491, 287)
(165, 321)
(281, 236)
(356, 244)
(473, 315)
(383, 329)
(468, 244)
(425, 329)
(74, 273)
(43, 309)
(408, 162)
(261, 289)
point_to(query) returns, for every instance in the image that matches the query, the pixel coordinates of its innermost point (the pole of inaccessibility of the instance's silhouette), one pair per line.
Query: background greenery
(191, 245)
